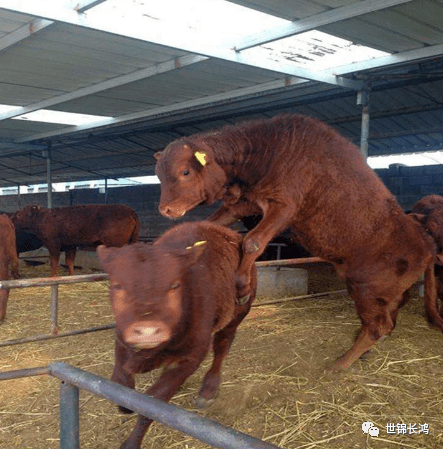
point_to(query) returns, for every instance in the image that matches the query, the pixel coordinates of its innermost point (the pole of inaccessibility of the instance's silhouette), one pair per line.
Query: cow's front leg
(165, 387)
(120, 374)
(276, 217)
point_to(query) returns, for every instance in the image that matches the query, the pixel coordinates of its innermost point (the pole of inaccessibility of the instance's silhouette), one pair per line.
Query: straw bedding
(274, 384)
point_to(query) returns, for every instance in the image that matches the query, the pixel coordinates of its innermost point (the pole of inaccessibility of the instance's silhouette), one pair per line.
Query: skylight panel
(7, 108)
(216, 22)
(59, 117)
(223, 24)
(316, 50)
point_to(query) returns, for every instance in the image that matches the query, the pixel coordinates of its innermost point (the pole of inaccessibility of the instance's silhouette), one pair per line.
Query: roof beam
(259, 89)
(175, 107)
(23, 32)
(84, 5)
(108, 84)
(162, 35)
(39, 24)
(317, 21)
(20, 146)
(397, 58)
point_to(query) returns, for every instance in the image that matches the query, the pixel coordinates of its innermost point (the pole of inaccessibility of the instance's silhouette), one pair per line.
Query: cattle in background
(8, 259)
(301, 174)
(429, 212)
(66, 228)
(171, 301)
(25, 241)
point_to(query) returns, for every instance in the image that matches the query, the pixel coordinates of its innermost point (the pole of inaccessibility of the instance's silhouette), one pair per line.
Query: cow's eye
(186, 173)
(175, 285)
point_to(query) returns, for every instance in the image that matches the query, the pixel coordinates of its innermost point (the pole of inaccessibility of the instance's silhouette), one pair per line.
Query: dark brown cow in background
(8, 259)
(171, 301)
(23, 240)
(301, 174)
(429, 212)
(66, 228)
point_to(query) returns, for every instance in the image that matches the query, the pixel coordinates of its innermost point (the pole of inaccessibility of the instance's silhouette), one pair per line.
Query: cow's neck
(231, 153)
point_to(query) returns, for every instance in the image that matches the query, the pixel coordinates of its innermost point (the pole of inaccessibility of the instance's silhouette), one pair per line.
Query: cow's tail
(430, 298)
(136, 231)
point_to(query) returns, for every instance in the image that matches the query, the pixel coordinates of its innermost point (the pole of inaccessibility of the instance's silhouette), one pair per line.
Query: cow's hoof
(202, 402)
(338, 366)
(251, 246)
(125, 410)
(243, 299)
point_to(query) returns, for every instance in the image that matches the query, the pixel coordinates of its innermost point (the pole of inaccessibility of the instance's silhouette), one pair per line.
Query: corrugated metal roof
(155, 92)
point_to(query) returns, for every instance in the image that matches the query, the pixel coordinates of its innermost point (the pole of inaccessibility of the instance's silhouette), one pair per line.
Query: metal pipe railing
(73, 379)
(204, 429)
(53, 282)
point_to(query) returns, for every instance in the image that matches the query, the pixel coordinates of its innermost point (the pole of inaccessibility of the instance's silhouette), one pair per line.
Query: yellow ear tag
(200, 243)
(201, 157)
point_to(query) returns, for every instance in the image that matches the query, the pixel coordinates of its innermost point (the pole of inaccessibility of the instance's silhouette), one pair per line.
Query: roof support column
(363, 99)
(106, 190)
(48, 156)
(18, 196)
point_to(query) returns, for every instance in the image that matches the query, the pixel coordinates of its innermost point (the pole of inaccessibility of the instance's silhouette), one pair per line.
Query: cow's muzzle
(169, 212)
(146, 335)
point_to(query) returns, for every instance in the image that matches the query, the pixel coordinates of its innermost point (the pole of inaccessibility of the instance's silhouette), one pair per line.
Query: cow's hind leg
(378, 316)
(221, 345)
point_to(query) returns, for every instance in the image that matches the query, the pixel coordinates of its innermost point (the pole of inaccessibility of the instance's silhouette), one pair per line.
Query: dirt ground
(274, 383)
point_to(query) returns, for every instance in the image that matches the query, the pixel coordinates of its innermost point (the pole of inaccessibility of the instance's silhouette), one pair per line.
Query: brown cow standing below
(171, 301)
(301, 174)
(429, 212)
(65, 228)
(8, 259)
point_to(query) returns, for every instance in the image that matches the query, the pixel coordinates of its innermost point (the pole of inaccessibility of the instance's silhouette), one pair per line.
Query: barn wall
(143, 199)
(408, 184)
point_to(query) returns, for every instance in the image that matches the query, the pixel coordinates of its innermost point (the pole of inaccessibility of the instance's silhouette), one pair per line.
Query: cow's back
(329, 185)
(111, 225)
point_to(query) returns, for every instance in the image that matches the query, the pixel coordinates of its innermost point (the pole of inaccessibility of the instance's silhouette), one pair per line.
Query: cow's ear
(204, 154)
(158, 155)
(202, 157)
(193, 252)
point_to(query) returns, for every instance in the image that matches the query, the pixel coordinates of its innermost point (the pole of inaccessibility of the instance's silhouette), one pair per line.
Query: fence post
(69, 417)
(54, 309)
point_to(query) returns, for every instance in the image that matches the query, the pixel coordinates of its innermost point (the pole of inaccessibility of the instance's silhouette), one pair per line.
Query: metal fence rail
(204, 429)
(53, 282)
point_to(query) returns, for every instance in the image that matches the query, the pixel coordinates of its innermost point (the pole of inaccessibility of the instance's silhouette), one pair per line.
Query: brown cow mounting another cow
(8, 259)
(171, 301)
(301, 174)
(65, 228)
